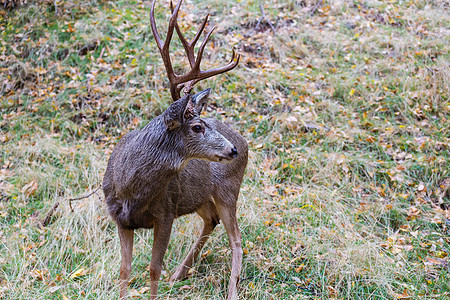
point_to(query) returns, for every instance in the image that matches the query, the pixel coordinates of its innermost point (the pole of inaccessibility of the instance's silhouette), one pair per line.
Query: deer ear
(200, 100)
(189, 110)
(174, 114)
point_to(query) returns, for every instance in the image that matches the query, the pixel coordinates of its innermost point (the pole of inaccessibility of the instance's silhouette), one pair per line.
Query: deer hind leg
(210, 218)
(226, 207)
(126, 247)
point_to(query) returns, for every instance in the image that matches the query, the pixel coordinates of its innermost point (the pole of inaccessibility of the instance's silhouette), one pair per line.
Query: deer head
(199, 139)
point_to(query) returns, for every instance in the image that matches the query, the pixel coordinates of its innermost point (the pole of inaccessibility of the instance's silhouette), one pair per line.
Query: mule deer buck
(177, 164)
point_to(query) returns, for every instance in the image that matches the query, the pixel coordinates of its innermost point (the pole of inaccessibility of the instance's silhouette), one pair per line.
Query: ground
(344, 105)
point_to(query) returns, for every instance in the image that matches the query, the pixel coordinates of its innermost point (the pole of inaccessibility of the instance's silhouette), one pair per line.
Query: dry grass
(345, 109)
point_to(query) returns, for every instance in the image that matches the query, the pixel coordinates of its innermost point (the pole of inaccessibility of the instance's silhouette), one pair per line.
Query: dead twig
(49, 215)
(52, 210)
(318, 4)
(263, 17)
(83, 197)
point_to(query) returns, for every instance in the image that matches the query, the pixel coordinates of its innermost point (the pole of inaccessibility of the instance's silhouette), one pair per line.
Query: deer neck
(164, 150)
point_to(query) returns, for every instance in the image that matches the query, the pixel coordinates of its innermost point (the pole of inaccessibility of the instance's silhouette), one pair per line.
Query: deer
(177, 164)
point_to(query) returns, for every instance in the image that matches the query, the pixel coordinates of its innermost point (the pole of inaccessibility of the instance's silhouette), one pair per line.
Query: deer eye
(197, 129)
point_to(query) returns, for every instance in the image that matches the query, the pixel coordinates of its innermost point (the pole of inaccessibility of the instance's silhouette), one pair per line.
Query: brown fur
(154, 175)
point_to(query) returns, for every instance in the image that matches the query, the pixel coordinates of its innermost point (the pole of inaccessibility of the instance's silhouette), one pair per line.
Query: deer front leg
(126, 250)
(227, 213)
(161, 229)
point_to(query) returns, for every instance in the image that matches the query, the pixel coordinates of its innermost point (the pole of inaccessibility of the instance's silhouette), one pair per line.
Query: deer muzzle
(234, 153)
(228, 156)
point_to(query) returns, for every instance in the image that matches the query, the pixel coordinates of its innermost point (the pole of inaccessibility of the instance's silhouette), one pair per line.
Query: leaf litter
(344, 105)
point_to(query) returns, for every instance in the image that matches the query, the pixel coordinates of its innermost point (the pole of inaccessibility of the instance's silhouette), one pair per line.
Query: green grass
(345, 109)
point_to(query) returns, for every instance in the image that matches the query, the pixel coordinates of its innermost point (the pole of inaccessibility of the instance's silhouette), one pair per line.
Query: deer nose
(233, 153)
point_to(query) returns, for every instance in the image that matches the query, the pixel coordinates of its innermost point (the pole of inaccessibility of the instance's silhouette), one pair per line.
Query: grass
(345, 109)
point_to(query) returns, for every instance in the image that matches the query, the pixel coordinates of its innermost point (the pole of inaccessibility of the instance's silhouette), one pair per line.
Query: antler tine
(164, 46)
(206, 74)
(153, 25)
(201, 49)
(196, 75)
(200, 30)
(186, 81)
(189, 46)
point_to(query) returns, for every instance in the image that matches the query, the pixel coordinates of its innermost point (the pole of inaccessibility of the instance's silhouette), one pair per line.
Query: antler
(188, 80)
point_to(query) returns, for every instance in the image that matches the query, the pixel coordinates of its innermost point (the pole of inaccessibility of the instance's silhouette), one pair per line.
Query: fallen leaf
(300, 268)
(421, 187)
(403, 295)
(53, 289)
(38, 274)
(30, 188)
(4, 137)
(144, 289)
(296, 279)
(400, 168)
(332, 292)
(413, 212)
(291, 119)
(433, 261)
(396, 250)
(441, 254)
(133, 293)
(78, 273)
(370, 139)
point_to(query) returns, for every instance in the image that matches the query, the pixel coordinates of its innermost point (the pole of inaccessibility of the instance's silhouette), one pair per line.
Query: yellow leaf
(441, 254)
(78, 273)
(144, 289)
(208, 252)
(370, 139)
(300, 268)
(352, 91)
(268, 222)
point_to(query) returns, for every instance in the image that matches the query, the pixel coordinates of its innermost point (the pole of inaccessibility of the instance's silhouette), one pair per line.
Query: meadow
(345, 108)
